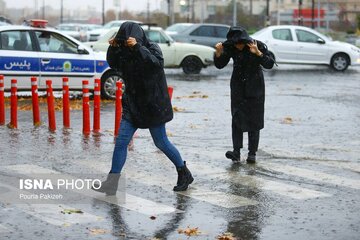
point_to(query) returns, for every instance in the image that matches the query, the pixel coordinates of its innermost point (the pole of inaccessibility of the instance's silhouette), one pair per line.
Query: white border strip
(4, 229)
(314, 175)
(276, 187)
(132, 202)
(221, 199)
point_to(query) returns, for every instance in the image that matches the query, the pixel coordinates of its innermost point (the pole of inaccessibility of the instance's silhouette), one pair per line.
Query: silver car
(200, 33)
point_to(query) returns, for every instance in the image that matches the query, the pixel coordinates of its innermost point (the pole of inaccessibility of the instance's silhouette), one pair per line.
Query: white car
(302, 45)
(191, 57)
(27, 51)
(74, 30)
(96, 34)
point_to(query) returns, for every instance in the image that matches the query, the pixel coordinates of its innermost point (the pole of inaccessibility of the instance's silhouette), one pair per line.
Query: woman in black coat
(247, 87)
(146, 102)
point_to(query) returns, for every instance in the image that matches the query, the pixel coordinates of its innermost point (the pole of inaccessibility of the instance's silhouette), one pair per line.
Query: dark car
(199, 33)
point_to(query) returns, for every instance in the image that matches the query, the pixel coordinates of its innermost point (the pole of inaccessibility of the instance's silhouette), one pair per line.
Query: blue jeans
(159, 137)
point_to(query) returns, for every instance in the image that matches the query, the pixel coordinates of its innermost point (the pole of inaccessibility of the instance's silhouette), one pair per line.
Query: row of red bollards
(2, 101)
(66, 105)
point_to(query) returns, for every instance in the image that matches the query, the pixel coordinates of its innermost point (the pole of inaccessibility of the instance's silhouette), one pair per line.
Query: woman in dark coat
(146, 102)
(247, 87)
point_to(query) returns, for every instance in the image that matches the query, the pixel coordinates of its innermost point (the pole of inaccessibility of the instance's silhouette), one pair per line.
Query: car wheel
(191, 65)
(340, 62)
(108, 84)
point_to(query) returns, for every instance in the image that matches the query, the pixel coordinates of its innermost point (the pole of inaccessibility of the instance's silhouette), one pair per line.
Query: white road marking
(51, 213)
(217, 198)
(130, 201)
(355, 167)
(4, 229)
(284, 189)
(314, 175)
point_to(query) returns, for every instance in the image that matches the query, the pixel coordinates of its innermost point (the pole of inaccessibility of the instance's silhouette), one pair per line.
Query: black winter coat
(146, 102)
(247, 85)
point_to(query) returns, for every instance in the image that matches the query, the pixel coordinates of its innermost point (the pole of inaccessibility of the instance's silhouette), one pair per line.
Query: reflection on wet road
(304, 186)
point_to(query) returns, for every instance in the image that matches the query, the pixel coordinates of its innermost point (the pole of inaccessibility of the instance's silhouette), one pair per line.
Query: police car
(46, 53)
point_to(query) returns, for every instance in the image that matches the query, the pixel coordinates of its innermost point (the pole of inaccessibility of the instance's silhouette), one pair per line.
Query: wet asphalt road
(305, 185)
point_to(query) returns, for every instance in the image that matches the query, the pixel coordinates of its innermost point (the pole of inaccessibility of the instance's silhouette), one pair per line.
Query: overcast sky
(131, 5)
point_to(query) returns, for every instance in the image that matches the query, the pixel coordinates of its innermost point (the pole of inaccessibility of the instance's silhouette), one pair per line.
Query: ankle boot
(184, 178)
(233, 155)
(251, 159)
(109, 186)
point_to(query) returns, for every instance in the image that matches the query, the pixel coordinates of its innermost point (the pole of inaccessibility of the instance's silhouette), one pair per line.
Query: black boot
(109, 186)
(184, 178)
(233, 155)
(251, 159)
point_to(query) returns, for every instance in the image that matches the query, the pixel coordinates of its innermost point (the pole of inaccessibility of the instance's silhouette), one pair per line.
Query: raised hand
(219, 49)
(254, 48)
(131, 41)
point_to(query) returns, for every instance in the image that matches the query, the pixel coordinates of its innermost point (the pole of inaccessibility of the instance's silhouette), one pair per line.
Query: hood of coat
(238, 35)
(132, 29)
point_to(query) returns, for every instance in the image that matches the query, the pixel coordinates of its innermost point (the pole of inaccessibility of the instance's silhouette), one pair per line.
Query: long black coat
(146, 101)
(247, 85)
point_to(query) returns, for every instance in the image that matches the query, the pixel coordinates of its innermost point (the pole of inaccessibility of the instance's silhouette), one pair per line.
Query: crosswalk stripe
(284, 189)
(222, 199)
(313, 175)
(51, 213)
(217, 198)
(355, 167)
(4, 229)
(132, 202)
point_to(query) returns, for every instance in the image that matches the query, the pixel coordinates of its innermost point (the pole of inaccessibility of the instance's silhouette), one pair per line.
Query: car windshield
(158, 36)
(107, 36)
(113, 24)
(259, 32)
(68, 28)
(108, 25)
(178, 27)
(167, 37)
(92, 27)
(323, 36)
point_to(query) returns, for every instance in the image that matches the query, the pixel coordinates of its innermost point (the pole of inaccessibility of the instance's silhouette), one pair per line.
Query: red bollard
(66, 103)
(170, 90)
(118, 106)
(2, 101)
(97, 100)
(51, 107)
(35, 102)
(86, 108)
(13, 105)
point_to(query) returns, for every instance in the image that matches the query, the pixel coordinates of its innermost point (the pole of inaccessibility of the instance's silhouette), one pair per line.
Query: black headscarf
(132, 29)
(238, 34)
